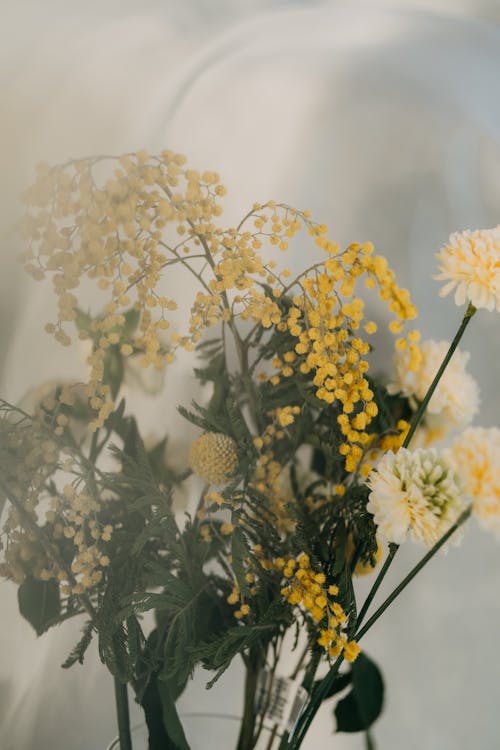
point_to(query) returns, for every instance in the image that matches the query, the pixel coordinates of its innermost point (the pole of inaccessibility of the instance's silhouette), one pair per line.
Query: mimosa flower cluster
(57, 532)
(124, 223)
(303, 470)
(308, 590)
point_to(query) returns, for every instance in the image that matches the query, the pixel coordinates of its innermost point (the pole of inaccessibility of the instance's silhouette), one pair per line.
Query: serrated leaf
(363, 704)
(78, 653)
(192, 417)
(39, 603)
(239, 551)
(340, 550)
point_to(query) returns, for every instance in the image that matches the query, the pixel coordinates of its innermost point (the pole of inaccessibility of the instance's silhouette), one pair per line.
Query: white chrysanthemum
(470, 264)
(456, 398)
(475, 456)
(414, 493)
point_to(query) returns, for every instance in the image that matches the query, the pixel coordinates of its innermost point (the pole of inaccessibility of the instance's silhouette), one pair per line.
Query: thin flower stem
(316, 700)
(413, 572)
(393, 548)
(423, 406)
(272, 736)
(301, 660)
(312, 668)
(414, 424)
(122, 714)
(322, 691)
(284, 742)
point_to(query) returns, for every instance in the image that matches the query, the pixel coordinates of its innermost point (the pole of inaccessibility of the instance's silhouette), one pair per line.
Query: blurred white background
(382, 118)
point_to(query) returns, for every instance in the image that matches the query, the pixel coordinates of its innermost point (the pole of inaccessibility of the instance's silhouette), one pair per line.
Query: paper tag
(282, 701)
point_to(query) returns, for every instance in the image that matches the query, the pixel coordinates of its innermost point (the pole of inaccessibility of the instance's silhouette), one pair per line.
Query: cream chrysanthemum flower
(414, 493)
(470, 264)
(213, 457)
(475, 456)
(455, 401)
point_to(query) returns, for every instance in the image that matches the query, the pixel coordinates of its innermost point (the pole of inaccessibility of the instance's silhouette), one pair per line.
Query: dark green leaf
(363, 704)
(83, 320)
(39, 603)
(113, 370)
(132, 317)
(151, 703)
(341, 682)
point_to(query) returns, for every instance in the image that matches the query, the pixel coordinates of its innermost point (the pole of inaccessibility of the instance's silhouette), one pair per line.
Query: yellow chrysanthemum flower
(470, 264)
(213, 457)
(475, 456)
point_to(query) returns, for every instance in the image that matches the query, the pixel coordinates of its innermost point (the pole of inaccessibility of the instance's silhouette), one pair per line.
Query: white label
(282, 700)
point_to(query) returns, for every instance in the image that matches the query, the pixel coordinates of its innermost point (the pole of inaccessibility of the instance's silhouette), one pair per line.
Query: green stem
(122, 715)
(413, 572)
(369, 741)
(393, 548)
(284, 742)
(325, 685)
(323, 689)
(312, 668)
(245, 740)
(417, 418)
(316, 700)
(423, 406)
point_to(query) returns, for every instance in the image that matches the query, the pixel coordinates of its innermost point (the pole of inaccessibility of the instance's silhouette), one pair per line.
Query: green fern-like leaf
(78, 653)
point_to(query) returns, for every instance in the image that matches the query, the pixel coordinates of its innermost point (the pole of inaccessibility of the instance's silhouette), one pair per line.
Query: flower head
(416, 493)
(475, 456)
(213, 457)
(456, 398)
(470, 264)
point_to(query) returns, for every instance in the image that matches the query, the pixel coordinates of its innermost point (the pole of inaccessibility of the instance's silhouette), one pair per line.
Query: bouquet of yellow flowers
(310, 469)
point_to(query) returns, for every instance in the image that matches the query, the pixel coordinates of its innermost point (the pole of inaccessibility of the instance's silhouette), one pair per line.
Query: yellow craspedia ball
(213, 457)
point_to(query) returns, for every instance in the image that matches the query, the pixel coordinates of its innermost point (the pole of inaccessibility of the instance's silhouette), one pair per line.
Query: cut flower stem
(122, 713)
(328, 681)
(324, 687)
(423, 405)
(419, 414)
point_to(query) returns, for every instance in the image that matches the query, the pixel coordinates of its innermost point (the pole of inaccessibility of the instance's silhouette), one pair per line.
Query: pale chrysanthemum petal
(455, 401)
(470, 264)
(414, 493)
(475, 456)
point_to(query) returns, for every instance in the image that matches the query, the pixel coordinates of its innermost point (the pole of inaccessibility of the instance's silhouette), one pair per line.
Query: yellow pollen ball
(213, 457)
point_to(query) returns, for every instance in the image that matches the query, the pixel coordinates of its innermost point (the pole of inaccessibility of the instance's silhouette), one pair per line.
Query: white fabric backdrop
(385, 121)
